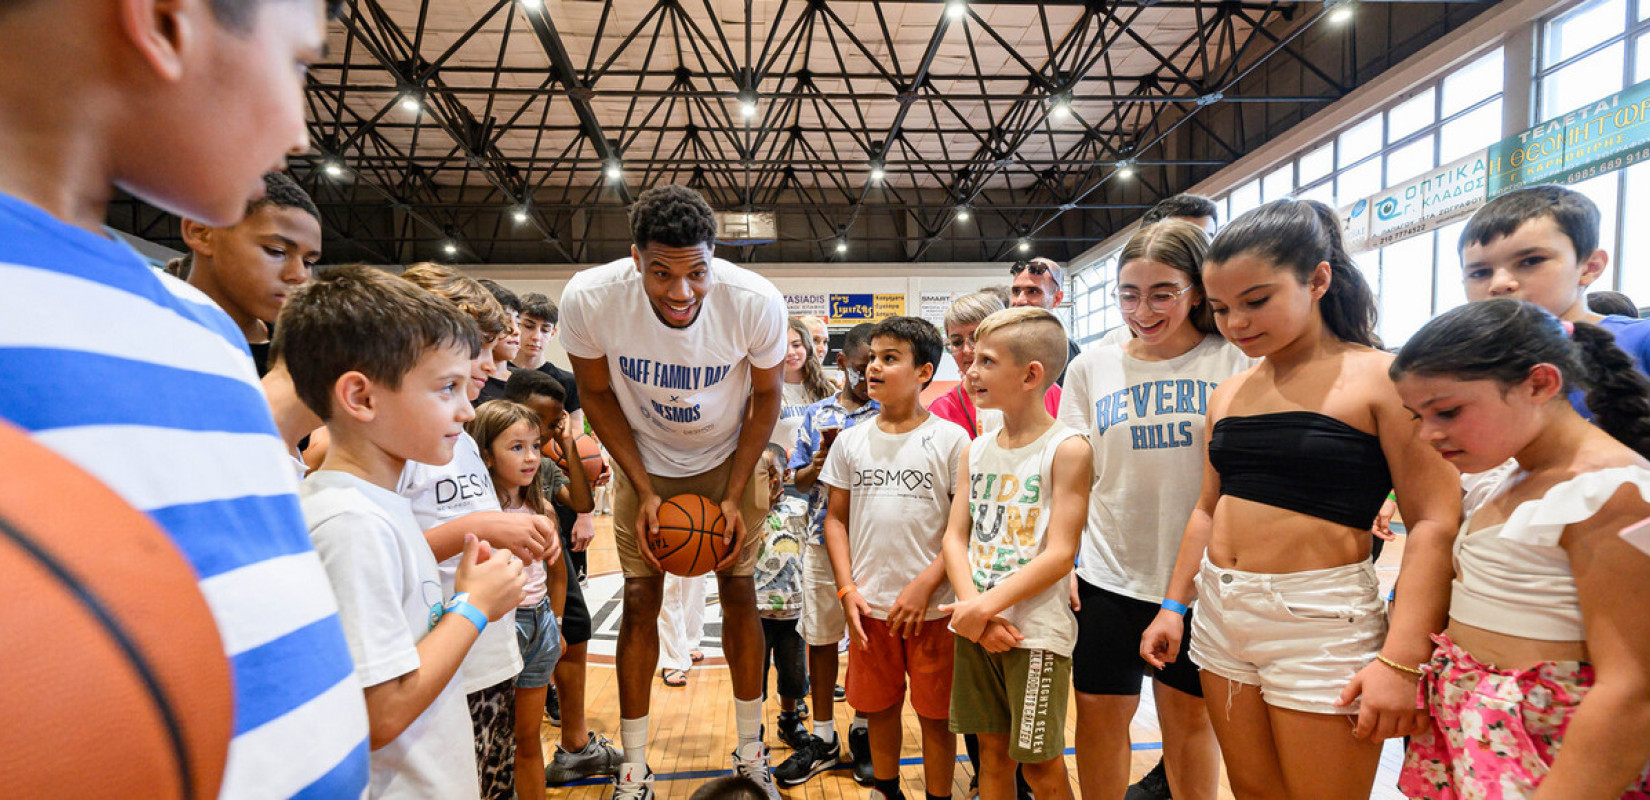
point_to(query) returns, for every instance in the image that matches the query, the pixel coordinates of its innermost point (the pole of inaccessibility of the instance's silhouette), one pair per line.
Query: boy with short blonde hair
(1008, 548)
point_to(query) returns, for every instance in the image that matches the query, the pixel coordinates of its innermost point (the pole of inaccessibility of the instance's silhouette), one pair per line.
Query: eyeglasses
(956, 345)
(1160, 301)
(1037, 266)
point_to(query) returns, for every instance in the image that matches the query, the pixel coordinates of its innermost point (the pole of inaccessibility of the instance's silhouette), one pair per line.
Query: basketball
(590, 452)
(552, 451)
(689, 541)
(115, 675)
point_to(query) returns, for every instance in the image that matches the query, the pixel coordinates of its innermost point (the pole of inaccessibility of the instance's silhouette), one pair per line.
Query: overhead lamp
(333, 168)
(614, 171)
(451, 248)
(520, 214)
(877, 172)
(533, 4)
(747, 109)
(1125, 169)
(411, 104)
(841, 247)
(1339, 12)
(956, 9)
(1059, 110)
(1025, 245)
(963, 214)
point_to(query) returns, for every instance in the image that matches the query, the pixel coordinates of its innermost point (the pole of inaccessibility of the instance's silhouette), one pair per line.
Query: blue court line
(717, 773)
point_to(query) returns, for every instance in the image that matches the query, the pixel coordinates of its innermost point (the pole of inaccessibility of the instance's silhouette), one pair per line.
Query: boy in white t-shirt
(1008, 549)
(384, 364)
(891, 484)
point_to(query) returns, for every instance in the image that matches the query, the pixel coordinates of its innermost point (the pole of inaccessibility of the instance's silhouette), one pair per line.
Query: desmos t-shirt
(440, 494)
(683, 390)
(1009, 497)
(900, 487)
(389, 598)
(1145, 421)
(140, 380)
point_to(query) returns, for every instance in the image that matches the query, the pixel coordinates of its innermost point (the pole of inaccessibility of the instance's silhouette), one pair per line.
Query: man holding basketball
(679, 358)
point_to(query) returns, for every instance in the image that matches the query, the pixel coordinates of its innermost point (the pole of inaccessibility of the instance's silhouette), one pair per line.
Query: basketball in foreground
(689, 541)
(116, 681)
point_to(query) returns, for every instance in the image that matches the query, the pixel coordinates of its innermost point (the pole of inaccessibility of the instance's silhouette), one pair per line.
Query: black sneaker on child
(1155, 786)
(552, 708)
(791, 729)
(813, 756)
(859, 744)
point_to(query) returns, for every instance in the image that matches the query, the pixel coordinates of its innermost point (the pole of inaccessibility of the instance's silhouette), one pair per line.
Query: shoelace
(756, 769)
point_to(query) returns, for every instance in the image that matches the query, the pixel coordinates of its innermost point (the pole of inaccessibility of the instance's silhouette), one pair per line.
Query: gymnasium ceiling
(516, 132)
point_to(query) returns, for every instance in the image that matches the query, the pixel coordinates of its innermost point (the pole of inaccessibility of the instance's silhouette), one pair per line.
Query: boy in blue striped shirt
(139, 378)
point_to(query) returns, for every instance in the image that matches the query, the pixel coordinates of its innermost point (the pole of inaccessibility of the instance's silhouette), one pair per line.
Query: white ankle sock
(825, 730)
(747, 718)
(858, 723)
(633, 735)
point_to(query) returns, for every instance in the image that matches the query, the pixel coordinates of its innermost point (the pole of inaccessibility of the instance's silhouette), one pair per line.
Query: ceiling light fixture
(956, 10)
(333, 168)
(411, 104)
(877, 172)
(963, 214)
(614, 171)
(451, 248)
(530, 3)
(747, 109)
(842, 247)
(1339, 12)
(1060, 110)
(1025, 246)
(520, 214)
(1125, 169)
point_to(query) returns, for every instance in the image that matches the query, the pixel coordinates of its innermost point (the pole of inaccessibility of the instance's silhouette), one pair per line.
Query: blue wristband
(1176, 606)
(460, 605)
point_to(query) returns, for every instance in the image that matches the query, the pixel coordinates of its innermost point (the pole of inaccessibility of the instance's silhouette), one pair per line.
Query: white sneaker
(751, 761)
(634, 782)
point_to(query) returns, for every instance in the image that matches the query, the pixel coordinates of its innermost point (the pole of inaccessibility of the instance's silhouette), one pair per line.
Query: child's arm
(1071, 475)
(530, 536)
(955, 548)
(495, 587)
(1429, 497)
(807, 458)
(578, 496)
(1608, 739)
(905, 617)
(836, 544)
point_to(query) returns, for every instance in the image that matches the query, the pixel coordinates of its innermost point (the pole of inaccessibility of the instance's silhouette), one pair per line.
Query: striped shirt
(143, 382)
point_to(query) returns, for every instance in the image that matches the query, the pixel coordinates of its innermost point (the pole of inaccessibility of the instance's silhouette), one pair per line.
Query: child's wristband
(1176, 606)
(843, 592)
(460, 605)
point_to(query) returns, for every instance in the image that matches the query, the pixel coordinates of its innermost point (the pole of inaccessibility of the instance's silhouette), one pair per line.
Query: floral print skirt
(1494, 732)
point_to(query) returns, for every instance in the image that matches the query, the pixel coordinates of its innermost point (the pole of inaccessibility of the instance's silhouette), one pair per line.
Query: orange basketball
(689, 541)
(116, 681)
(590, 452)
(552, 451)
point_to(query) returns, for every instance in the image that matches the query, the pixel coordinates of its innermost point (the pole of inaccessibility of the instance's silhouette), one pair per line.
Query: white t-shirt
(1009, 497)
(796, 402)
(445, 493)
(900, 486)
(1146, 422)
(389, 597)
(683, 390)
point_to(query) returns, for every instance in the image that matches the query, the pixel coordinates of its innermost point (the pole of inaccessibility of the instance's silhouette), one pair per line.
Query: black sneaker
(1155, 786)
(859, 744)
(791, 730)
(802, 708)
(813, 756)
(839, 693)
(552, 707)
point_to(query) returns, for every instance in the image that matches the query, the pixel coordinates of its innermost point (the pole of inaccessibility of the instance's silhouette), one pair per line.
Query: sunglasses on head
(1037, 267)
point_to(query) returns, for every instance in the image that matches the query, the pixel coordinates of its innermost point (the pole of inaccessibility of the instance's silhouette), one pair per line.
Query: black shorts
(1107, 659)
(575, 616)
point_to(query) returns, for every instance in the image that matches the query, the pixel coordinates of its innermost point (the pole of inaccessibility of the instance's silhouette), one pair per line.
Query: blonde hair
(813, 375)
(493, 418)
(1030, 334)
(1179, 245)
(463, 291)
(972, 309)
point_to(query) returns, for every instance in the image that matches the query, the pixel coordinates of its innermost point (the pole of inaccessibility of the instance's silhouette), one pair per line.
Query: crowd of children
(1194, 504)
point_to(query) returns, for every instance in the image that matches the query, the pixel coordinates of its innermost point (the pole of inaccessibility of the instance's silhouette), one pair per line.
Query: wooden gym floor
(693, 727)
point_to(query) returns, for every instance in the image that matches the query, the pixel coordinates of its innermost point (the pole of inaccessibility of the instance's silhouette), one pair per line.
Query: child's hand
(552, 553)
(495, 580)
(1391, 704)
(905, 617)
(968, 618)
(854, 607)
(1076, 602)
(527, 535)
(1160, 644)
(1000, 636)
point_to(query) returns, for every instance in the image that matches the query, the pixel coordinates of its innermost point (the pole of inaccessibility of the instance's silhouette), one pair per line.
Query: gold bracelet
(1397, 666)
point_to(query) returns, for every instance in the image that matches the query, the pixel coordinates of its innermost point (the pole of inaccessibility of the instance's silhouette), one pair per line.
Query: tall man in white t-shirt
(679, 357)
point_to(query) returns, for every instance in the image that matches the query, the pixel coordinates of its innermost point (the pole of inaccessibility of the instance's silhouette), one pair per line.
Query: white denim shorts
(822, 620)
(1299, 636)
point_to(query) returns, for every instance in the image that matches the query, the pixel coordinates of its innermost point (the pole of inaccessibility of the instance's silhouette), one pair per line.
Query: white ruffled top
(1514, 578)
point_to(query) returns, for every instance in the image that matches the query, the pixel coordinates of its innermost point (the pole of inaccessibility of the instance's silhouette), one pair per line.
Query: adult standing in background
(1039, 282)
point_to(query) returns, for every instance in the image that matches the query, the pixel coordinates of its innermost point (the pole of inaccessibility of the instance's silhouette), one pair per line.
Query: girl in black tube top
(1302, 675)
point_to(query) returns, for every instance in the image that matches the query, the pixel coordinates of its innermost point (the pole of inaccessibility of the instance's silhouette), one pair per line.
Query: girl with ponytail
(1302, 450)
(1537, 688)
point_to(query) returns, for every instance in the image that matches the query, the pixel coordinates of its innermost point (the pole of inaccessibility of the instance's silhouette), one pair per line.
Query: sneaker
(813, 756)
(802, 708)
(859, 744)
(597, 757)
(634, 782)
(840, 694)
(552, 708)
(751, 761)
(1155, 786)
(791, 729)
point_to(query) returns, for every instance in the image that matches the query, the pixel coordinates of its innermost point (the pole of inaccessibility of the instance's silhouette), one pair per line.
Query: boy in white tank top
(1008, 548)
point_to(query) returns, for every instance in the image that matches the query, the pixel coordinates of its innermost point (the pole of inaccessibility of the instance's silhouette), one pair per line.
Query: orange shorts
(876, 675)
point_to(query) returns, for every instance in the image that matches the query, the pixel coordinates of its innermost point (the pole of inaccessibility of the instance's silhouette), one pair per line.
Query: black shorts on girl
(1109, 628)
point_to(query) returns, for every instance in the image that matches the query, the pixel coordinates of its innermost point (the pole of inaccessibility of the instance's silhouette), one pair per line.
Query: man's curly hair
(674, 216)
